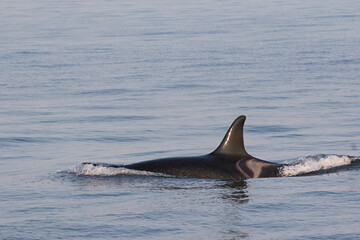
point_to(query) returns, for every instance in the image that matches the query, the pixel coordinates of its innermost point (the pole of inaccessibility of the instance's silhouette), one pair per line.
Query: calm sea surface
(124, 81)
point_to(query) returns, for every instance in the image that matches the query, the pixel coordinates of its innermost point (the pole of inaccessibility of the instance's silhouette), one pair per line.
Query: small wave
(105, 170)
(316, 163)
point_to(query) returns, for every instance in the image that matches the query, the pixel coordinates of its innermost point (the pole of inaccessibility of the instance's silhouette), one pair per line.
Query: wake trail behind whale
(317, 163)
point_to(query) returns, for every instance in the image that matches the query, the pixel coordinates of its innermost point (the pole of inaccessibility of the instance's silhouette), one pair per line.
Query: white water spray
(316, 163)
(89, 169)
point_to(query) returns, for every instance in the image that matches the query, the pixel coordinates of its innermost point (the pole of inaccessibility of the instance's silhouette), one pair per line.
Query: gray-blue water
(124, 81)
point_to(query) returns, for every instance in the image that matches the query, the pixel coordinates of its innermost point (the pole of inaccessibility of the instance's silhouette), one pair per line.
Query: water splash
(105, 170)
(316, 163)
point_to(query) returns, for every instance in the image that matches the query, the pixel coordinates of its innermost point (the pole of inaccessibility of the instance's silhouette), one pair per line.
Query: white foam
(89, 169)
(315, 163)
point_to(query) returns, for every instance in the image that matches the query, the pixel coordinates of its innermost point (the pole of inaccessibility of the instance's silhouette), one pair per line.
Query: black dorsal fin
(233, 142)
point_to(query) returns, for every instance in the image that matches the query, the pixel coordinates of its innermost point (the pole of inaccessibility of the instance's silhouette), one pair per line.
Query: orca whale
(229, 161)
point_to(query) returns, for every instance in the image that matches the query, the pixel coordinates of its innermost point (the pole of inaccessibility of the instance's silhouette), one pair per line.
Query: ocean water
(116, 82)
